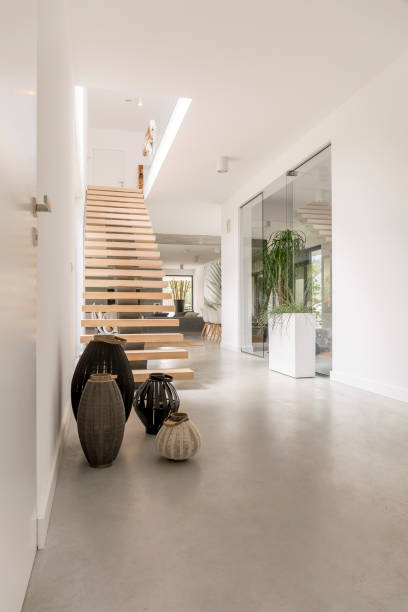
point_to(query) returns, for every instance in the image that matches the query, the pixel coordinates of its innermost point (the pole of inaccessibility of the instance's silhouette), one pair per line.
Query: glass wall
(251, 293)
(299, 202)
(309, 200)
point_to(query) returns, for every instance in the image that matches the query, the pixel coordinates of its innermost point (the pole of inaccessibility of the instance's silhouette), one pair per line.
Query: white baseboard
(43, 520)
(375, 386)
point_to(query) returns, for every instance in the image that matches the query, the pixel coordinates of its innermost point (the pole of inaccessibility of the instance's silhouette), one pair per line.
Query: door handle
(44, 206)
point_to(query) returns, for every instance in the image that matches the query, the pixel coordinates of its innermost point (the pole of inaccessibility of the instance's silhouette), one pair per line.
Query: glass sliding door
(309, 203)
(299, 201)
(251, 285)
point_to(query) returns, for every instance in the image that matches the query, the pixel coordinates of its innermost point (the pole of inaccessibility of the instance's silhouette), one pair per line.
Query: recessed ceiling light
(139, 101)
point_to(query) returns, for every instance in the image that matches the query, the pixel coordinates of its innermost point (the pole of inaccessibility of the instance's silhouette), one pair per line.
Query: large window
(188, 304)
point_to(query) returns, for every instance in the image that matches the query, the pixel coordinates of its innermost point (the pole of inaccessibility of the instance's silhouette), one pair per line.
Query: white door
(108, 167)
(18, 535)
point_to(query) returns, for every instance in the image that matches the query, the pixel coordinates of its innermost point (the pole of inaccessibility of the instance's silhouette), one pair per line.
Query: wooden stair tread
(90, 235)
(129, 206)
(154, 322)
(110, 188)
(154, 354)
(142, 338)
(176, 373)
(118, 223)
(127, 308)
(105, 208)
(123, 253)
(135, 202)
(121, 245)
(116, 215)
(120, 272)
(117, 261)
(128, 229)
(125, 295)
(124, 282)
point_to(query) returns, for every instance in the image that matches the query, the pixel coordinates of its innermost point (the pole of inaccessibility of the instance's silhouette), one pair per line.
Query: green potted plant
(291, 324)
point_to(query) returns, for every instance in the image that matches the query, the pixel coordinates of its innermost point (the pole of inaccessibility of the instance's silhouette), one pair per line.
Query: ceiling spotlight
(128, 100)
(139, 101)
(222, 164)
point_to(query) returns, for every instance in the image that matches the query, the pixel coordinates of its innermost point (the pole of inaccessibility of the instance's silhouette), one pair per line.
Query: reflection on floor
(296, 503)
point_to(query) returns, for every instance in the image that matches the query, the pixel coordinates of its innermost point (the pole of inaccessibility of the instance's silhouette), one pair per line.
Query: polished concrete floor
(297, 502)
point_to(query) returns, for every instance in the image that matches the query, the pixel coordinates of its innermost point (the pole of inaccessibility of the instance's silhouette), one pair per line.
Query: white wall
(198, 296)
(170, 217)
(129, 142)
(18, 529)
(58, 230)
(369, 136)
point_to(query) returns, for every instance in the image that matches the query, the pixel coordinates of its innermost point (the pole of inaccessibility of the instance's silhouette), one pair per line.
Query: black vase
(154, 400)
(104, 354)
(179, 304)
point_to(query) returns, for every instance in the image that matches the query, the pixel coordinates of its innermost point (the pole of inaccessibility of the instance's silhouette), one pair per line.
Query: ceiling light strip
(169, 135)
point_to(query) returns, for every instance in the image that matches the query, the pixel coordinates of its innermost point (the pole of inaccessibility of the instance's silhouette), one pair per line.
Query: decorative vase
(179, 305)
(101, 420)
(104, 354)
(178, 439)
(154, 400)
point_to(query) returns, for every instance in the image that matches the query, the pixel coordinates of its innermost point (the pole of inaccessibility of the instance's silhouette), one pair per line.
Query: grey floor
(297, 502)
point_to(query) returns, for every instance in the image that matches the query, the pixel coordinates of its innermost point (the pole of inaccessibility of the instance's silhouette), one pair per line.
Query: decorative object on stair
(178, 439)
(154, 400)
(104, 354)
(179, 289)
(101, 420)
(107, 329)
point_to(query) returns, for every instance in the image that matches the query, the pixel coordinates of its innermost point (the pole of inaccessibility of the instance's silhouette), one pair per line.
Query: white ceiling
(109, 110)
(260, 74)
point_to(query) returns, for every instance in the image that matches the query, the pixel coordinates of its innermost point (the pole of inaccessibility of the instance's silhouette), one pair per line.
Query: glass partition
(251, 293)
(309, 200)
(299, 201)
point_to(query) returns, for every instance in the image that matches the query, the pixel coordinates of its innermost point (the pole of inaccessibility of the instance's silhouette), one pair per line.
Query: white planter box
(292, 345)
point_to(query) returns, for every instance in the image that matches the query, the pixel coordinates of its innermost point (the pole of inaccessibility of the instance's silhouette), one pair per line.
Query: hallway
(295, 503)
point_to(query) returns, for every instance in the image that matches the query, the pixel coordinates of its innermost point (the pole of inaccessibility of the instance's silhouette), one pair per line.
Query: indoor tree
(279, 255)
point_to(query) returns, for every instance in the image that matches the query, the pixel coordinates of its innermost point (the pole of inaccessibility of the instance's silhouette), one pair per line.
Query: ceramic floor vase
(104, 354)
(178, 439)
(155, 399)
(101, 420)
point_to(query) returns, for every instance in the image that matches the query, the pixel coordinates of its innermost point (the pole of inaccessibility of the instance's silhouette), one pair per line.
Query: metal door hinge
(44, 206)
(34, 233)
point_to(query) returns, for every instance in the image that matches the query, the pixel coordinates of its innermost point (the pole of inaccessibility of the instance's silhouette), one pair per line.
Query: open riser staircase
(123, 281)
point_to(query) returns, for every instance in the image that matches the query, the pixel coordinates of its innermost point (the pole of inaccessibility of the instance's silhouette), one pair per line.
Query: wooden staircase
(124, 280)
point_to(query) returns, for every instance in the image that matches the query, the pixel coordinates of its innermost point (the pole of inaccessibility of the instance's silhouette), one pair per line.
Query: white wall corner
(374, 386)
(44, 513)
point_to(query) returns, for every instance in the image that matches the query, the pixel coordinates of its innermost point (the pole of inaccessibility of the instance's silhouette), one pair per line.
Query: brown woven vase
(101, 420)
